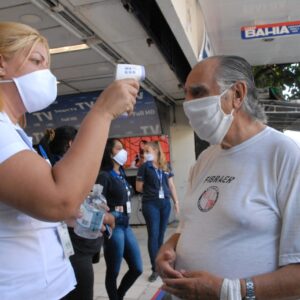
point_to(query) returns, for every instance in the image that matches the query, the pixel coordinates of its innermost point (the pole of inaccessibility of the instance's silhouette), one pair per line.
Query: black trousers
(83, 268)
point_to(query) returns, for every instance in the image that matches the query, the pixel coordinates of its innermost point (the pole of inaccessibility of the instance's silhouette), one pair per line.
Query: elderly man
(239, 235)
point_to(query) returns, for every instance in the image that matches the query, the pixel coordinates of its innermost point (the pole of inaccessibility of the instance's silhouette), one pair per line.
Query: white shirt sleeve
(288, 195)
(10, 142)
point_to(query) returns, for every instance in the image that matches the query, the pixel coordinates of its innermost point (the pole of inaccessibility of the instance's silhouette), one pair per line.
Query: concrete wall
(182, 147)
(190, 16)
(187, 23)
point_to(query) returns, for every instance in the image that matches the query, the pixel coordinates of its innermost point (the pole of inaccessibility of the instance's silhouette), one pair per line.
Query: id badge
(128, 207)
(65, 240)
(161, 193)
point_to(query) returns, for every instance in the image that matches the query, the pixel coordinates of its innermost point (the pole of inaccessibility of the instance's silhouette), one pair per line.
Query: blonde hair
(17, 37)
(22, 121)
(161, 158)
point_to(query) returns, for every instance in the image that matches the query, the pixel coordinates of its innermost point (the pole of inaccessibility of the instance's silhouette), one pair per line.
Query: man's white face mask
(207, 118)
(37, 89)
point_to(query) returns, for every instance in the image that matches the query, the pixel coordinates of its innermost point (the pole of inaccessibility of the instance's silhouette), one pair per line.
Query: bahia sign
(270, 30)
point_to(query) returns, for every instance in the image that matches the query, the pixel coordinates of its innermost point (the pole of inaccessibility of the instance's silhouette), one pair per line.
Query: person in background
(35, 196)
(139, 157)
(42, 147)
(59, 140)
(239, 234)
(123, 243)
(155, 180)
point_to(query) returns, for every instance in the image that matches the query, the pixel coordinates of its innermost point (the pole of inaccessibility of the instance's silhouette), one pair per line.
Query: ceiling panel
(84, 71)
(58, 36)
(86, 2)
(139, 52)
(90, 85)
(64, 89)
(4, 4)
(87, 56)
(107, 19)
(15, 13)
(89, 70)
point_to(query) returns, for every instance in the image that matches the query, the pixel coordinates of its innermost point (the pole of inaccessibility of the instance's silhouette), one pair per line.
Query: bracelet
(250, 294)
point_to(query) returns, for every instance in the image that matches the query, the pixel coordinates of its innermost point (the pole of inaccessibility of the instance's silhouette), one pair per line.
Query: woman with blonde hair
(155, 181)
(35, 197)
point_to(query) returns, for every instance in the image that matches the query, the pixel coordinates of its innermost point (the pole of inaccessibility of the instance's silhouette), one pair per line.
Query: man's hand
(165, 264)
(194, 286)
(165, 259)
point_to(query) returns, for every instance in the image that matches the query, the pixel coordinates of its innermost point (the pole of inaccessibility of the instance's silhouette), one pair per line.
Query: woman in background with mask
(35, 196)
(53, 146)
(155, 181)
(123, 243)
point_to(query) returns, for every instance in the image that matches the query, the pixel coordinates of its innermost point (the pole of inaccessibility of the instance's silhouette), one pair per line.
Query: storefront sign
(206, 50)
(71, 109)
(270, 30)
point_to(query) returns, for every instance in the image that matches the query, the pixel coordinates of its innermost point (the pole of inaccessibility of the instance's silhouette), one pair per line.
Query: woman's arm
(173, 194)
(29, 184)
(140, 178)
(139, 186)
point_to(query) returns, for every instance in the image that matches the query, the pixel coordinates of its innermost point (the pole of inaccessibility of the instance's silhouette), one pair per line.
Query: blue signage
(71, 109)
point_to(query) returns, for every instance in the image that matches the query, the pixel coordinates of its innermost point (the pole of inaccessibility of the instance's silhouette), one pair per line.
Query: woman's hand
(109, 220)
(117, 98)
(176, 207)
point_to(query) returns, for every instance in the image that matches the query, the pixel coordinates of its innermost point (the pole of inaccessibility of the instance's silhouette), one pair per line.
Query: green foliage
(283, 77)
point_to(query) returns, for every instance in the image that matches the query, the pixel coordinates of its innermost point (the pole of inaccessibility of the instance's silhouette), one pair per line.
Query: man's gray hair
(232, 69)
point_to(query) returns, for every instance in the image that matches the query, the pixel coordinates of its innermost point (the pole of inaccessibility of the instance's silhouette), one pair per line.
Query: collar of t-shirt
(27, 140)
(158, 172)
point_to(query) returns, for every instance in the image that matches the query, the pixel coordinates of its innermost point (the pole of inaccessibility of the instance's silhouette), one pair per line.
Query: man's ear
(240, 93)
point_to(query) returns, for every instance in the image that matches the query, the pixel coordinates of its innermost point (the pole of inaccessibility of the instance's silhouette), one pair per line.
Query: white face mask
(207, 118)
(121, 157)
(149, 157)
(37, 89)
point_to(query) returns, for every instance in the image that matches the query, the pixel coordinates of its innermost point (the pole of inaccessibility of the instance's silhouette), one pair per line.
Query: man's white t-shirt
(241, 213)
(32, 263)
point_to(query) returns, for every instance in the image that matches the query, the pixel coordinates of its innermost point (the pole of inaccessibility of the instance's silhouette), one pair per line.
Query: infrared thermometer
(125, 71)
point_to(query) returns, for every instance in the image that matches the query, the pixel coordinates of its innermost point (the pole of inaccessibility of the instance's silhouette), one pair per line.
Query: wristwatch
(250, 294)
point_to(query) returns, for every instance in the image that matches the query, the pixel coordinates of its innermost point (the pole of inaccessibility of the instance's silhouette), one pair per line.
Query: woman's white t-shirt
(32, 262)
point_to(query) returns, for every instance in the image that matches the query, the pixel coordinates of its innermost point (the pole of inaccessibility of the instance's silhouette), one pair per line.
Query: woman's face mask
(207, 118)
(121, 157)
(37, 89)
(149, 157)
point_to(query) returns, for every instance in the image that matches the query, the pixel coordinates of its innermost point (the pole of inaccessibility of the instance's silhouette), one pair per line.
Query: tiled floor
(142, 288)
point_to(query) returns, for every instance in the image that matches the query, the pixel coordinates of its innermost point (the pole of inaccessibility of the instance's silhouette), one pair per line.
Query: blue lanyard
(120, 177)
(43, 152)
(159, 174)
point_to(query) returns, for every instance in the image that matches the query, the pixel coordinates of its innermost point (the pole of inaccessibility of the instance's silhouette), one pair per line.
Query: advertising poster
(71, 109)
(135, 148)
